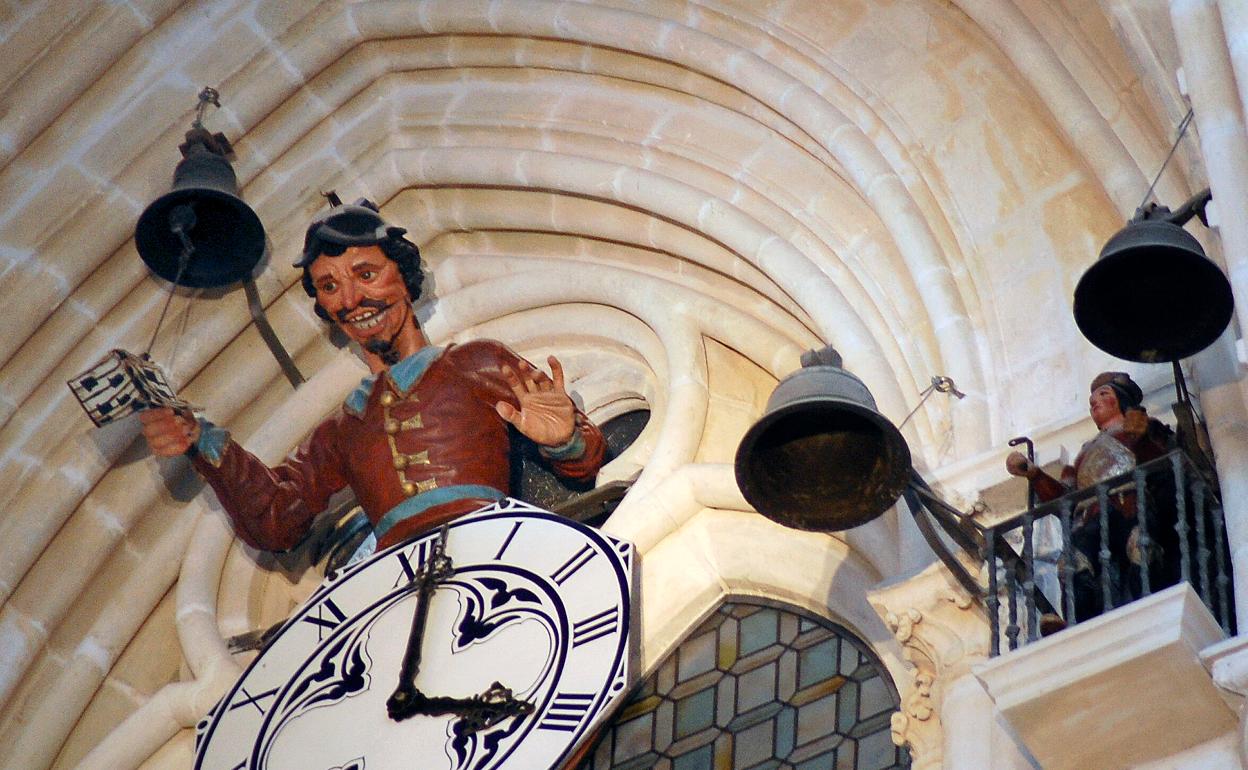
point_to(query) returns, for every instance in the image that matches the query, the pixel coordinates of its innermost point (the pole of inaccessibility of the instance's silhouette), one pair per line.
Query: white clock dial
(536, 603)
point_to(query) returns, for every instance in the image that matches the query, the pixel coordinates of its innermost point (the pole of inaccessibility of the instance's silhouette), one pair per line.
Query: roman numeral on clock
(595, 627)
(570, 567)
(514, 529)
(253, 700)
(566, 711)
(323, 623)
(421, 551)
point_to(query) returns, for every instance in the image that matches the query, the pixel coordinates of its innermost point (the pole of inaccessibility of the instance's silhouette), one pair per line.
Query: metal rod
(1103, 556)
(269, 336)
(1011, 629)
(1068, 566)
(1144, 543)
(1029, 579)
(918, 511)
(1223, 580)
(178, 226)
(1183, 124)
(1202, 545)
(1180, 526)
(993, 602)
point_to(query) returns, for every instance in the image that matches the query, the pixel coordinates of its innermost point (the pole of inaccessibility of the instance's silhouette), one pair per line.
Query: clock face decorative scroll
(535, 602)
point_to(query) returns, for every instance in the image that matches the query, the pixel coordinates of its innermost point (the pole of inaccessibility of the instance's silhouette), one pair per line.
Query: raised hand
(168, 433)
(1017, 464)
(546, 414)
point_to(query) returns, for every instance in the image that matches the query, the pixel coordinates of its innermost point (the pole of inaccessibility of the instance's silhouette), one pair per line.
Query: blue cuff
(212, 441)
(569, 450)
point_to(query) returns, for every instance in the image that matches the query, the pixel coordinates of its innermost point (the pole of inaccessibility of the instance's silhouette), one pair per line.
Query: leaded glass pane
(697, 712)
(875, 698)
(634, 737)
(696, 656)
(758, 631)
(758, 688)
(754, 745)
(698, 759)
(818, 662)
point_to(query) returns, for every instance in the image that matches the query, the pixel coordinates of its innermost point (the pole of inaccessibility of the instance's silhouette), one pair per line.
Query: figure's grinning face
(363, 291)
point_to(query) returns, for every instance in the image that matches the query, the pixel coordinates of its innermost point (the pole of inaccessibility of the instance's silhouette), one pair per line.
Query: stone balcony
(1121, 690)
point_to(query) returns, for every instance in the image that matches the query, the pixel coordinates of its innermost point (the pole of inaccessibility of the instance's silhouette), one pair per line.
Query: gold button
(392, 426)
(409, 488)
(400, 462)
(387, 398)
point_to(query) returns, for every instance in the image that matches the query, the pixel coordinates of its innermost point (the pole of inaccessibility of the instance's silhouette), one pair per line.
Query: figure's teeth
(368, 320)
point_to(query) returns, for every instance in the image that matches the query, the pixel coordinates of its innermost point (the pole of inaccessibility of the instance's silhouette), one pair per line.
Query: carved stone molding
(942, 632)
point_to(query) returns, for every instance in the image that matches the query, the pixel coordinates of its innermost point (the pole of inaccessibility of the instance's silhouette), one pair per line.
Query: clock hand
(406, 699)
(491, 707)
(476, 713)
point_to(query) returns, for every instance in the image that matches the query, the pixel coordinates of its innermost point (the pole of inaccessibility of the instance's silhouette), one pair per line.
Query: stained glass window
(758, 688)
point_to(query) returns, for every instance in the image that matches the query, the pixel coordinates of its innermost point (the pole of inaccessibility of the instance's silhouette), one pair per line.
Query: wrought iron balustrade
(1106, 545)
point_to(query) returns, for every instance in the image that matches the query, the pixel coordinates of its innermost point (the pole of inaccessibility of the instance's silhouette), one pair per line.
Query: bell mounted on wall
(822, 457)
(1153, 296)
(201, 234)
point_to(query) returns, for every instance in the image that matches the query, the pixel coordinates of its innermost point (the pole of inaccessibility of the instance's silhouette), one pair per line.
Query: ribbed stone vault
(676, 197)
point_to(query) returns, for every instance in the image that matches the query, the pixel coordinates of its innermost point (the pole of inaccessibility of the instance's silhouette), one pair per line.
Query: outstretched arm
(271, 508)
(1047, 488)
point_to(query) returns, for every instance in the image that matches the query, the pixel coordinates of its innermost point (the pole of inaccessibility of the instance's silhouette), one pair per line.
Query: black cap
(351, 224)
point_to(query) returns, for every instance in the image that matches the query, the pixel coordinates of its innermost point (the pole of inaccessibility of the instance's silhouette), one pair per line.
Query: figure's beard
(383, 349)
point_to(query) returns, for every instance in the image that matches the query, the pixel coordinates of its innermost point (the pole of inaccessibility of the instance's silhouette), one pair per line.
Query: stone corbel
(1228, 664)
(942, 631)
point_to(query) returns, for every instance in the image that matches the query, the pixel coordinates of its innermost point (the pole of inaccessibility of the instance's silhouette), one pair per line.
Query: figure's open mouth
(370, 318)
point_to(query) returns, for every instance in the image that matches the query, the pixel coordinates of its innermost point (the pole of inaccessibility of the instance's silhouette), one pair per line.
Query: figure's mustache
(369, 302)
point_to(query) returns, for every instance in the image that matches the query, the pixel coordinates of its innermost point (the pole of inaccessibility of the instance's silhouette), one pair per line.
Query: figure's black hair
(397, 249)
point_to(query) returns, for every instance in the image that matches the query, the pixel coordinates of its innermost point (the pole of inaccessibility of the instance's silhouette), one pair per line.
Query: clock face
(536, 603)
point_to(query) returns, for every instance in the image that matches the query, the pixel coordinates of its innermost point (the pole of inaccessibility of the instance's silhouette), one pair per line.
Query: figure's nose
(350, 295)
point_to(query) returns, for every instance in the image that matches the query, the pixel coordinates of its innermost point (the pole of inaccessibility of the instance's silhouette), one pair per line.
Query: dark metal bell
(1153, 296)
(822, 457)
(225, 235)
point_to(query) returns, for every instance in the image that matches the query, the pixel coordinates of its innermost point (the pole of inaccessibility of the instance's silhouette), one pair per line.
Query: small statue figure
(422, 440)
(1127, 437)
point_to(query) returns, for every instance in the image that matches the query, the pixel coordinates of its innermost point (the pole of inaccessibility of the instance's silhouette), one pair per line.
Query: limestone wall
(676, 197)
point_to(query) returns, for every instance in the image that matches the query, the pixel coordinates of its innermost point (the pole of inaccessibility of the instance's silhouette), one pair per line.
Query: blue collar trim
(405, 374)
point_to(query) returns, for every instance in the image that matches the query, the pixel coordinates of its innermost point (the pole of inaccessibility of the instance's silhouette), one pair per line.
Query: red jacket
(422, 439)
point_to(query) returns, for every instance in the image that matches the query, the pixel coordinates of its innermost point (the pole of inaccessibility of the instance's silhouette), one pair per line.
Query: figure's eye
(326, 287)
(368, 275)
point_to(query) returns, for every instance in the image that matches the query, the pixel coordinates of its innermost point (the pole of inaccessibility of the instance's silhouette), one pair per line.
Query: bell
(822, 458)
(1153, 296)
(203, 211)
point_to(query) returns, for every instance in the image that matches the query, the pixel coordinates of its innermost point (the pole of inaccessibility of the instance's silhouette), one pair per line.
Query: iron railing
(1177, 534)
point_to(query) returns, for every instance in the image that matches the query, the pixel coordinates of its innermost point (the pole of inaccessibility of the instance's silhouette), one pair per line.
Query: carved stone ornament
(942, 632)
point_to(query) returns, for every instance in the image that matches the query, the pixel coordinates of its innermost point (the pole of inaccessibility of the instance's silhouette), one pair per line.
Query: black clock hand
(406, 700)
(489, 708)
(476, 713)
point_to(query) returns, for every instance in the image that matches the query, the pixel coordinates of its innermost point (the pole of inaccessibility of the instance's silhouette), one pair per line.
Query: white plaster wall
(676, 197)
